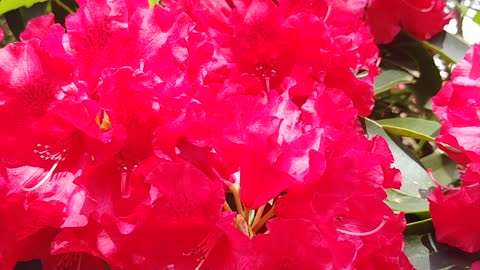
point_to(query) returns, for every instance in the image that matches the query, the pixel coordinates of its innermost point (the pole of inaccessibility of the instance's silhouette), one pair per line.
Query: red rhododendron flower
(277, 249)
(38, 27)
(186, 211)
(200, 135)
(31, 81)
(97, 31)
(448, 212)
(20, 224)
(422, 18)
(279, 42)
(457, 105)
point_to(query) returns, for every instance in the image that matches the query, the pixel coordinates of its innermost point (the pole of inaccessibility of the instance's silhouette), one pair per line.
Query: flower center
(266, 72)
(126, 165)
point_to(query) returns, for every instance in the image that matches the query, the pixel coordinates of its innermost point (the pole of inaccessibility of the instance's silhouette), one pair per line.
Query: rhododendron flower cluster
(196, 135)
(458, 106)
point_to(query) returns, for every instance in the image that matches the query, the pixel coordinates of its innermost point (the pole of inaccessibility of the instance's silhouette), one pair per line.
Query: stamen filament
(263, 220)
(227, 207)
(258, 215)
(44, 180)
(247, 214)
(327, 14)
(204, 248)
(236, 195)
(123, 182)
(428, 9)
(378, 228)
(267, 83)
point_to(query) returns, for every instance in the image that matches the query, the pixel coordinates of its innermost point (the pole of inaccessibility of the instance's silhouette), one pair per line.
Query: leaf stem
(419, 147)
(64, 6)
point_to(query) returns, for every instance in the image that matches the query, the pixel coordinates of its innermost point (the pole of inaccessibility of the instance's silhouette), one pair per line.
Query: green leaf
(410, 55)
(443, 168)
(424, 252)
(416, 181)
(450, 47)
(419, 227)
(399, 201)
(476, 18)
(430, 81)
(7, 5)
(416, 128)
(154, 2)
(390, 78)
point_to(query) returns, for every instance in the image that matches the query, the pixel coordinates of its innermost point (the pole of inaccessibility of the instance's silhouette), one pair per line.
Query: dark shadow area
(30, 265)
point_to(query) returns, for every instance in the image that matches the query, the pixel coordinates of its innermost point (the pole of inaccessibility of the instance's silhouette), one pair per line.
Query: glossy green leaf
(424, 252)
(7, 5)
(416, 128)
(399, 201)
(443, 168)
(450, 47)
(419, 227)
(390, 78)
(409, 54)
(416, 181)
(430, 81)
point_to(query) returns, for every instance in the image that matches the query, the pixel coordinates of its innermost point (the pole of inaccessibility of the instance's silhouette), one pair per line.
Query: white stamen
(327, 15)
(378, 228)
(267, 84)
(45, 179)
(424, 10)
(123, 183)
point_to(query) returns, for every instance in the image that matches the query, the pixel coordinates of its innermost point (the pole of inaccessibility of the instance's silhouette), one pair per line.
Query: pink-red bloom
(421, 18)
(448, 210)
(170, 137)
(458, 106)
